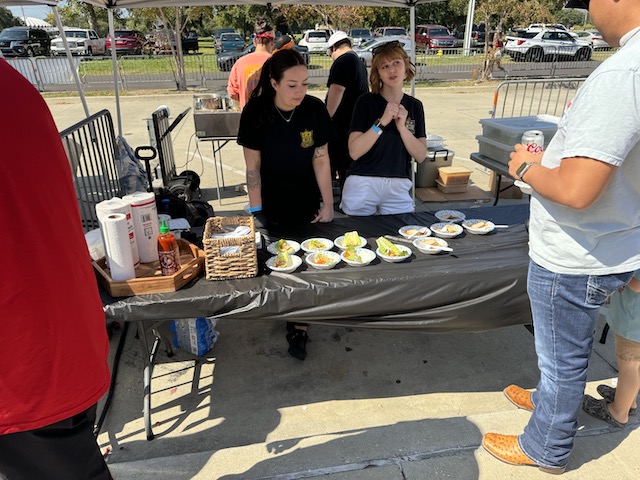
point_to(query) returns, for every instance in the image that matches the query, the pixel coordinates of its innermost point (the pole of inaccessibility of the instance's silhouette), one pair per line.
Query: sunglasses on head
(386, 45)
(577, 4)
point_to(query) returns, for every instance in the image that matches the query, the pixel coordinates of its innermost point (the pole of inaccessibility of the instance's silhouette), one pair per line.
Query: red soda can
(534, 141)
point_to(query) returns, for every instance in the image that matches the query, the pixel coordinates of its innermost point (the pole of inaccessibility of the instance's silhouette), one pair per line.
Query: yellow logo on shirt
(306, 138)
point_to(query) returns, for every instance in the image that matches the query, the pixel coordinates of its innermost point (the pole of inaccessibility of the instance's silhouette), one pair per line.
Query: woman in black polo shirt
(285, 133)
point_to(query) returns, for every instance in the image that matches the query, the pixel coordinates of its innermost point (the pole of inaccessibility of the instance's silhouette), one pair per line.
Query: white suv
(545, 45)
(317, 41)
(81, 42)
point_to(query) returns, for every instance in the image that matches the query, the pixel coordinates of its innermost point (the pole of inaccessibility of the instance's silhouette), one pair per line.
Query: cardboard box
(454, 175)
(452, 188)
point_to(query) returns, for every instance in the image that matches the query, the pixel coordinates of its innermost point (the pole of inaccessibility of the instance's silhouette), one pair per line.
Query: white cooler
(427, 171)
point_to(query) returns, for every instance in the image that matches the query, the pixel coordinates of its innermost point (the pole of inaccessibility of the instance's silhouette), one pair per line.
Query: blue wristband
(255, 209)
(376, 129)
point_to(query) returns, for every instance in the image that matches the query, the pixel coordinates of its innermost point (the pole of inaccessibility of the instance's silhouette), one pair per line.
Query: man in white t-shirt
(584, 236)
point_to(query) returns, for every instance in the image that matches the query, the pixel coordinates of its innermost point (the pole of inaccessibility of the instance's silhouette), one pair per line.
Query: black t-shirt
(349, 72)
(388, 157)
(290, 193)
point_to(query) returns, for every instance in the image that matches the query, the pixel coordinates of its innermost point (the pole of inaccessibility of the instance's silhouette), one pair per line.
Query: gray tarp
(479, 286)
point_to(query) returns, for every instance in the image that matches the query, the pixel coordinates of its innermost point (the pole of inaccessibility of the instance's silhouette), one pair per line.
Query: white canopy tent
(112, 4)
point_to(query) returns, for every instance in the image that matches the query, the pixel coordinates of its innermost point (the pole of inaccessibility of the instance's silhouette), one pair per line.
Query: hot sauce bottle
(168, 251)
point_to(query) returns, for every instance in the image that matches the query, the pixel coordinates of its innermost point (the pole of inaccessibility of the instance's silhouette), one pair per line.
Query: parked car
(226, 60)
(219, 31)
(189, 42)
(228, 42)
(360, 35)
(24, 42)
(436, 37)
(81, 41)
(391, 32)
(545, 45)
(127, 42)
(316, 41)
(365, 51)
(594, 36)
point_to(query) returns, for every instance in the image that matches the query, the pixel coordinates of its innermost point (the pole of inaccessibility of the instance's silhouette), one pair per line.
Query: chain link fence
(208, 71)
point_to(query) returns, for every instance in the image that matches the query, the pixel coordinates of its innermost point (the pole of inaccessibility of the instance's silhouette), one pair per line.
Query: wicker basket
(242, 264)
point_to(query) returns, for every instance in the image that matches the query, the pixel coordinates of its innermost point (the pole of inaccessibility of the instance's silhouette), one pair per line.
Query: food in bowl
(282, 265)
(317, 245)
(357, 257)
(446, 230)
(391, 252)
(350, 239)
(478, 226)
(323, 260)
(430, 245)
(282, 245)
(450, 216)
(414, 231)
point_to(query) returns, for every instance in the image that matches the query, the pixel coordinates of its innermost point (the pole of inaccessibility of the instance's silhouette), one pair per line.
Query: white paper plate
(450, 216)
(326, 245)
(407, 230)
(295, 260)
(406, 250)
(366, 255)
(335, 259)
(271, 248)
(339, 242)
(424, 245)
(478, 231)
(436, 228)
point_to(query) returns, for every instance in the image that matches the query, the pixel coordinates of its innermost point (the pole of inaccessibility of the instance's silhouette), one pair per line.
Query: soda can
(534, 141)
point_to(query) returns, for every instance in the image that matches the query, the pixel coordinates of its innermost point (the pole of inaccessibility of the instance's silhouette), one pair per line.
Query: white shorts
(363, 196)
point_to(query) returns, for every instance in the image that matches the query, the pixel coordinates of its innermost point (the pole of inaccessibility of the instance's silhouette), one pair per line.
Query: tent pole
(72, 67)
(114, 62)
(469, 27)
(412, 16)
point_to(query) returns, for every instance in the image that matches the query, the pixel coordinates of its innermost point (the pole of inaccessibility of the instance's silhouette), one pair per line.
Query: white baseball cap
(335, 38)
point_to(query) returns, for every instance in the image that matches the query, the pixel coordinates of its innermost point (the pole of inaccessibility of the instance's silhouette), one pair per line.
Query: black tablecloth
(481, 285)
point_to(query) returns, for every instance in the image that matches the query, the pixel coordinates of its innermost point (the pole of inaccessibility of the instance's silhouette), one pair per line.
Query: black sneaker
(298, 344)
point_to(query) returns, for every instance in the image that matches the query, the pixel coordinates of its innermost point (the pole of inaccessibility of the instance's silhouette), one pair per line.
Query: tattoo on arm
(253, 179)
(320, 152)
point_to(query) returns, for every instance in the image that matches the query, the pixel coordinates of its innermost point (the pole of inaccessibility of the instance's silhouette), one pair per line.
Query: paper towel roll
(145, 222)
(117, 205)
(117, 246)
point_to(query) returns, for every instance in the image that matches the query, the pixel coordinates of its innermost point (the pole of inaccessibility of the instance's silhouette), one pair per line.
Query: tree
(83, 15)
(7, 19)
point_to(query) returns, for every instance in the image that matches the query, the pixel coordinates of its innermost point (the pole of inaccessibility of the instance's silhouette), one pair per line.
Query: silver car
(365, 51)
(595, 38)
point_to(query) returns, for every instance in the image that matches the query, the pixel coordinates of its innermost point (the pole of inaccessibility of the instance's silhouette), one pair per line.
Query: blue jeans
(565, 309)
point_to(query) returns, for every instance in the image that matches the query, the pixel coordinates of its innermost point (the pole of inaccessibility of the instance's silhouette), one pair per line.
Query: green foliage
(7, 19)
(572, 17)
(74, 13)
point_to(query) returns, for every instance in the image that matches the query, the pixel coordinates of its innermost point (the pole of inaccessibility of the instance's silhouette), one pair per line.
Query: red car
(127, 42)
(435, 37)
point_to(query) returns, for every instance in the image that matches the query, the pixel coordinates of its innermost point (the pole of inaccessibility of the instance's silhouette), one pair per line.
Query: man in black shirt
(347, 81)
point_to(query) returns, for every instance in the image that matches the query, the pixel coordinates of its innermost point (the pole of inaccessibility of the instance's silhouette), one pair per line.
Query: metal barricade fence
(517, 98)
(27, 68)
(147, 69)
(91, 150)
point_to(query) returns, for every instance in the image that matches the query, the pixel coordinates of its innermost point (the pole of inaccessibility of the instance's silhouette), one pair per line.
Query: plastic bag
(133, 177)
(194, 335)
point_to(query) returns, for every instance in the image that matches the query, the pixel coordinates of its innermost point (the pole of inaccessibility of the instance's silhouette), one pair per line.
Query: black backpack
(195, 211)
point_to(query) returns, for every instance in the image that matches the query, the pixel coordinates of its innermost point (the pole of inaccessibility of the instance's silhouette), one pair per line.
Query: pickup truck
(545, 45)
(81, 42)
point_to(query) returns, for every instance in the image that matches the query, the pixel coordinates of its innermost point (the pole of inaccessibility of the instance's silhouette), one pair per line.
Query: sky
(36, 12)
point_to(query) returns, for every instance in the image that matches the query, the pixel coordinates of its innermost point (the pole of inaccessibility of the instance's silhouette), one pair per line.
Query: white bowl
(339, 242)
(335, 259)
(425, 245)
(295, 246)
(408, 230)
(366, 255)
(490, 226)
(326, 245)
(454, 227)
(295, 262)
(450, 216)
(406, 250)
(525, 187)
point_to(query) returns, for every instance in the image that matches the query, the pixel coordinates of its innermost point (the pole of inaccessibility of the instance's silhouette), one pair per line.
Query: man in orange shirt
(243, 78)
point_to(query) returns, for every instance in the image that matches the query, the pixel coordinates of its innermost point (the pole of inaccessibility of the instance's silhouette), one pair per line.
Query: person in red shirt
(53, 359)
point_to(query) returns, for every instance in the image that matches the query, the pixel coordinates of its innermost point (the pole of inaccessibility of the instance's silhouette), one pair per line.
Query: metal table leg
(217, 155)
(149, 359)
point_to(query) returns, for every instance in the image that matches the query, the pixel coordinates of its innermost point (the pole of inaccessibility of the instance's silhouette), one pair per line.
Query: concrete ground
(364, 405)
